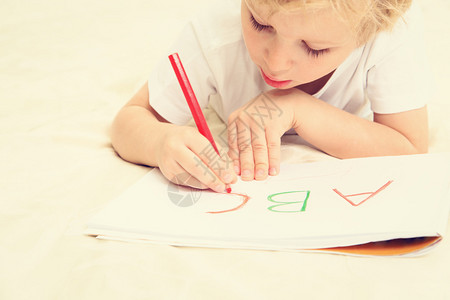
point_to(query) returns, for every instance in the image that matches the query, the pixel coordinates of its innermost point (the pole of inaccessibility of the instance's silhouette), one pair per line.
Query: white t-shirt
(387, 75)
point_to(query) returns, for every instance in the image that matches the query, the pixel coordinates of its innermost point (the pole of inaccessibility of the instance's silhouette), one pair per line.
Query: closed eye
(315, 53)
(257, 26)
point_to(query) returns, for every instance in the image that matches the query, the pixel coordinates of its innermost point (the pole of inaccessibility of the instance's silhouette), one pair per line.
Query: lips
(273, 82)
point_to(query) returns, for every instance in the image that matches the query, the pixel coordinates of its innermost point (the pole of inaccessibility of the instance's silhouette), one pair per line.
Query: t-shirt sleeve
(165, 94)
(399, 79)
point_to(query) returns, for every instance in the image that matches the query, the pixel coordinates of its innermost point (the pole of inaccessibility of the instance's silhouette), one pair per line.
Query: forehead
(272, 6)
(316, 25)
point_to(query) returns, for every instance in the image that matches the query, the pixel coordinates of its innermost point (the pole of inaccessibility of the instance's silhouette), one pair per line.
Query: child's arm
(344, 135)
(141, 136)
(330, 129)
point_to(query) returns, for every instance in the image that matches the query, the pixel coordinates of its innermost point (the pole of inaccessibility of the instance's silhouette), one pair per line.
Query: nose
(277, 57)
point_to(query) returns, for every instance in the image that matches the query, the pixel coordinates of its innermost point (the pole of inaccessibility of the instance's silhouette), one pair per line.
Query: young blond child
(317, 68)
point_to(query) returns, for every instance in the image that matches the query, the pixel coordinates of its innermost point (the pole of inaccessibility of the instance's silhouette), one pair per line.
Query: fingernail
(228, 178)
(273, 171)
(237, 170)
(259, 173)
(246, 173)
(219, 188)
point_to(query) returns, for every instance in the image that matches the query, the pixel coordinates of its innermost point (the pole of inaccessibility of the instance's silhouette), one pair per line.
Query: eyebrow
(252, 12)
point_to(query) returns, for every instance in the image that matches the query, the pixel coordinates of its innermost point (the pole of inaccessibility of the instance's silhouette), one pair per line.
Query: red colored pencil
(191, 99)
(189, 94)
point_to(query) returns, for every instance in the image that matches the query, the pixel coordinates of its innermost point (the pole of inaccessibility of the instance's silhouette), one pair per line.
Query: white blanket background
(66, 67)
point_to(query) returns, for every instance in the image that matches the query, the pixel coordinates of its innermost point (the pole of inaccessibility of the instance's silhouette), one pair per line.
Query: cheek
(335, 60)
(253, 43)
(313, 69)
(307, 69)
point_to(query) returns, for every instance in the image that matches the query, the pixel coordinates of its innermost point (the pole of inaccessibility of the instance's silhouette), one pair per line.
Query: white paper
(399, 197)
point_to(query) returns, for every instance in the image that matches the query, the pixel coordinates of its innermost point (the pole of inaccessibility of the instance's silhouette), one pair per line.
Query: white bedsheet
(66, 67)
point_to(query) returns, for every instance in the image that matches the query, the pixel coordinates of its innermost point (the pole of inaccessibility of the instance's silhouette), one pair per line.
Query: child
(315, 67)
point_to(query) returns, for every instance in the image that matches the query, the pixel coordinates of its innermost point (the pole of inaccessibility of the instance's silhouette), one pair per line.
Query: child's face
(294, 48)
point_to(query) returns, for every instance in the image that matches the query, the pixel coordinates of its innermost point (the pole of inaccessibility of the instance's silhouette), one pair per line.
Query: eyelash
(311, 52)
(257, 26)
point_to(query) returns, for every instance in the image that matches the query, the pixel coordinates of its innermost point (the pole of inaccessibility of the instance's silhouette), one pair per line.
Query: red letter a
(370, 194)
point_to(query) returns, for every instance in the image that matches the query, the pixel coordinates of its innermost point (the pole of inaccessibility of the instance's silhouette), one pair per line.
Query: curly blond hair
(365, 17)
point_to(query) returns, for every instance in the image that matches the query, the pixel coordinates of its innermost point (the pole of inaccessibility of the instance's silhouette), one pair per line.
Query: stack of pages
(368, 206)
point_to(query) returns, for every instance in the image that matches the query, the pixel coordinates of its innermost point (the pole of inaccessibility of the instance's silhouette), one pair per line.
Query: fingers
(274, 152)
(182, 177)
(255, 151)
(233, 150)
(255, 131)
(245, 150)
(261, 155)
(190, 153)
(194, 173)
(204, 173)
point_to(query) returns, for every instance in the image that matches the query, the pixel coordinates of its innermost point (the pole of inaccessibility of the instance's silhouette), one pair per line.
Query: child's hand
(254, 134)
(186, 157)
